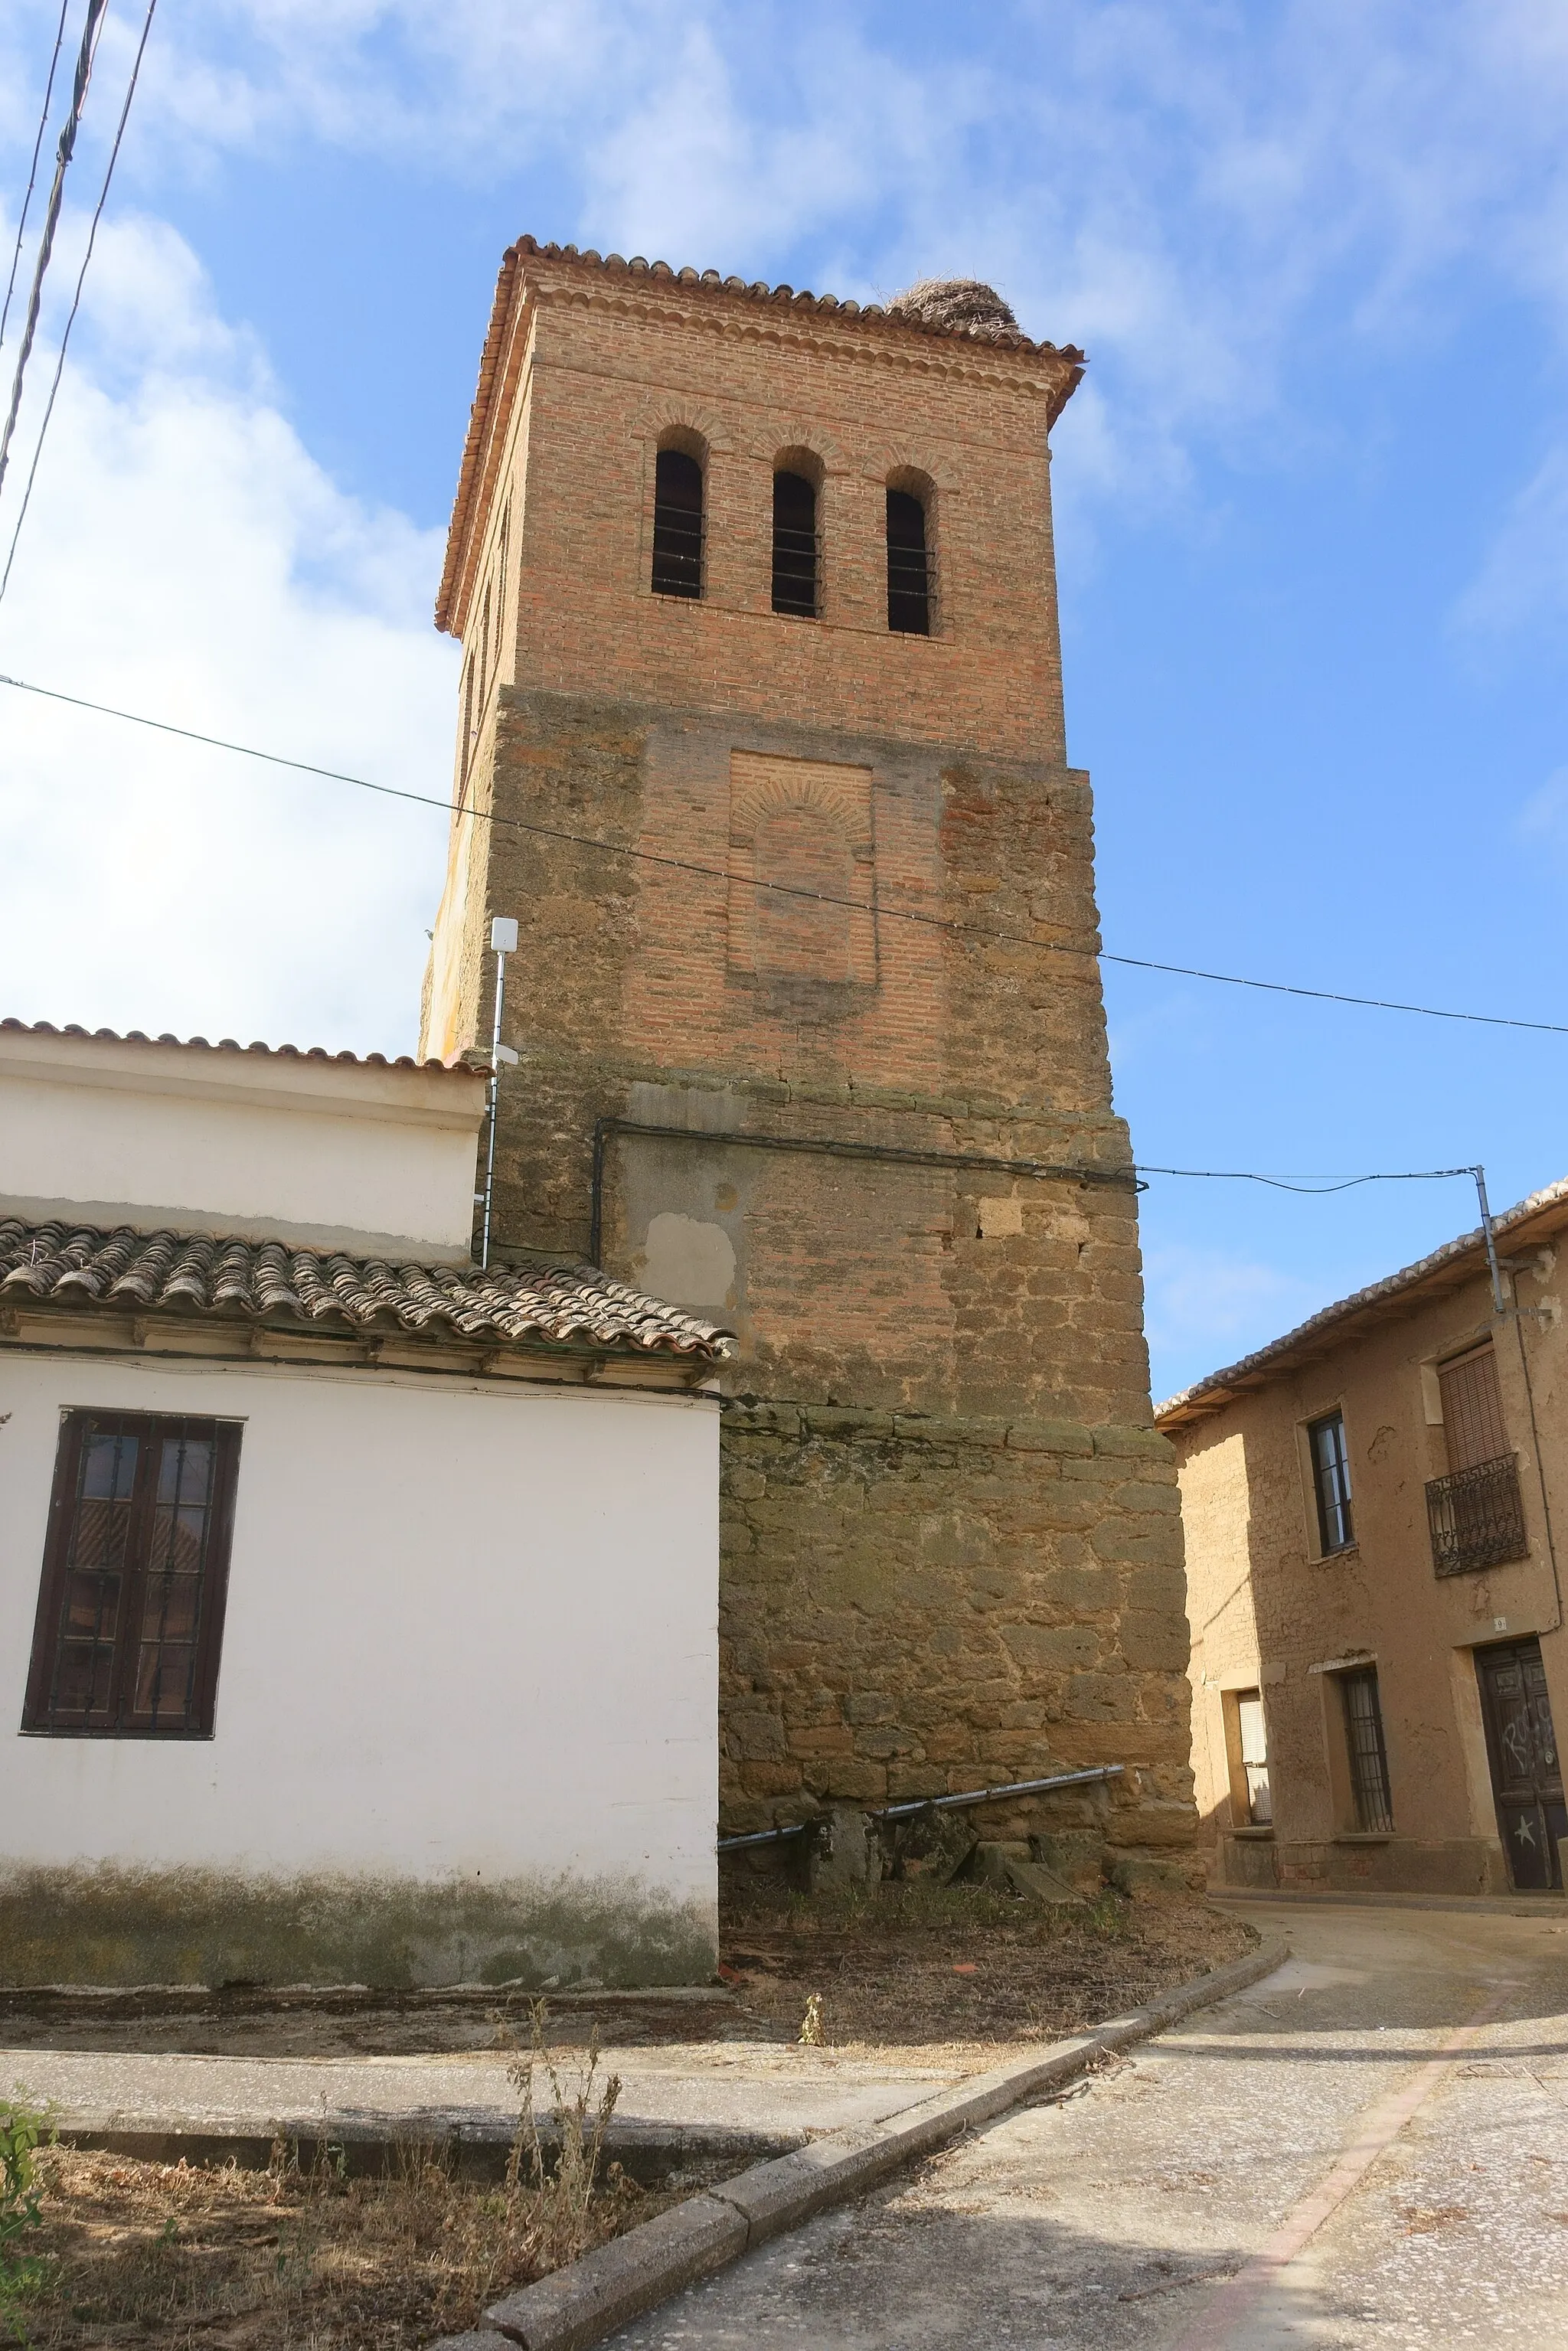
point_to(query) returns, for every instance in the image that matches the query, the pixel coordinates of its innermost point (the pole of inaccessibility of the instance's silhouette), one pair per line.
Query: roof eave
(1456, 1262)
(511, 296)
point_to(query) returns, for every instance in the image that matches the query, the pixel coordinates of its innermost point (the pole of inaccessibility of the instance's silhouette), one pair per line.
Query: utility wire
(878, 908)
(1314, 1186)
(33, 166)
(75, 298)
(90, 31)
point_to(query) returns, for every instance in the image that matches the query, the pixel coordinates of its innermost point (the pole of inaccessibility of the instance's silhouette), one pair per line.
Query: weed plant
(23, 2274)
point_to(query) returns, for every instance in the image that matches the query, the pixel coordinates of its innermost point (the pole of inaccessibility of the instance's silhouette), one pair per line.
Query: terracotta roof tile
(213, 1275)
(905, 311)
(231, 1045)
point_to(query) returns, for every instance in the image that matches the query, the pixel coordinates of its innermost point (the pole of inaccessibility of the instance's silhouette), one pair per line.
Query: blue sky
(1312, 515)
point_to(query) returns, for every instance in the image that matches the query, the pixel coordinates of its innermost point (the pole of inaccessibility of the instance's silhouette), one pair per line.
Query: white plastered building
(358, 1608)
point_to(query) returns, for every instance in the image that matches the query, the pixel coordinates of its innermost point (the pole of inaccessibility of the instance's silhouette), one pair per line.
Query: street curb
(582, 2303)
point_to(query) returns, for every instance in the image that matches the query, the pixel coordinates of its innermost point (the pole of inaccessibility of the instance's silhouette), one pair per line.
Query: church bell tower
(760, 740)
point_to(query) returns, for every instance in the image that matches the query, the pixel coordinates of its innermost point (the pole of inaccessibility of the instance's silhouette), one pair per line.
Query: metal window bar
(1330, 1477)
(677, 525)
(797, 547)
(1475, 1517)
(1368, 1756)
(908, 567)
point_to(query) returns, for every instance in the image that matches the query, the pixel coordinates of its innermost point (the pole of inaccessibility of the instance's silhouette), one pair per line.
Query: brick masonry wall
(951, 1548)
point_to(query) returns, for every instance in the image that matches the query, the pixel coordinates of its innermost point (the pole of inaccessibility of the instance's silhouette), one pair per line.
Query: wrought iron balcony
(1475, 1517)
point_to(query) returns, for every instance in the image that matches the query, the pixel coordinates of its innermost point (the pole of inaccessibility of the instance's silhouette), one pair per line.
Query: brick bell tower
(760, 586)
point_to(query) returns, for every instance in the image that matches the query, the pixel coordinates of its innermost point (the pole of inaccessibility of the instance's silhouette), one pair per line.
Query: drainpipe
(1498, 1300)
(503, 942)
(1516, 1316)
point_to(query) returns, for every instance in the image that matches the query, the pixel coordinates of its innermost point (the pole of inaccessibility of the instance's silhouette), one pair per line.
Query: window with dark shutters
(130, 1607)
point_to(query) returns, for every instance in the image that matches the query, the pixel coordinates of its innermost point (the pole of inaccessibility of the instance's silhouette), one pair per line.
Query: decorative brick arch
(657, 417)
(829, 809)
(891, 459)
(776, 434)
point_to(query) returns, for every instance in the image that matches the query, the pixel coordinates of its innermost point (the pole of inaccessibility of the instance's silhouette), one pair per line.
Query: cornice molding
(534, 277)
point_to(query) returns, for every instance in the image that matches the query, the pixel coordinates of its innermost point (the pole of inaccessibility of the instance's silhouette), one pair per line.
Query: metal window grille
(677, 525)
(795, 547)
(1476, 1517)
(1331, 1481)
(1368, 1757)
(130, 1604)
(908, 566)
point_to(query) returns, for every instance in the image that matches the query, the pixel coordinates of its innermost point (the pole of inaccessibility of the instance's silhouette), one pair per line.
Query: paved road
(1368, 2149)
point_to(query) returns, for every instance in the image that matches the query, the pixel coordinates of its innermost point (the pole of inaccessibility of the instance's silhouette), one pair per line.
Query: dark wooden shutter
(1472, 1410)
(130, 1604)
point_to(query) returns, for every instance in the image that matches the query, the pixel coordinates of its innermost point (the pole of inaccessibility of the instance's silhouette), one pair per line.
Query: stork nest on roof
(957, 306)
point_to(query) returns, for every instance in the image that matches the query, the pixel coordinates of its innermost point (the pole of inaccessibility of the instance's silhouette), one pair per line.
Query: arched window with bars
(796, 585)
(908, 565)
(677, 524)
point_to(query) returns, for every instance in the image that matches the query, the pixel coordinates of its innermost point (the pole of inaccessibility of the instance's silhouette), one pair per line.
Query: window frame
(900, 593)
(39, 1710)
(1329, 1548)
(1358, 1753)
(692, 591)
(796, 465)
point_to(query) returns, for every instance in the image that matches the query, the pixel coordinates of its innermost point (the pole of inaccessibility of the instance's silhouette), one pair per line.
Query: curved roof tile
(233, 1045)
(79, 1266)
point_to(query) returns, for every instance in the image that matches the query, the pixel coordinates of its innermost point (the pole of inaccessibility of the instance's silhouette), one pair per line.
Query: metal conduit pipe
(939, 1803)
(828, 1146)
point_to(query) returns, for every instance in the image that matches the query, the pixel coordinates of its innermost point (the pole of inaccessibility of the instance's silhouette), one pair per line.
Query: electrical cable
(75, 298)
(883, 912)
(1313, 1187)
(63, 152)
(33, 166)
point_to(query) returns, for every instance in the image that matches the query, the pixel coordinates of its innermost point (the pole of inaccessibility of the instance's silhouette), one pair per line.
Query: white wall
(334, 1155)
(472, 1628)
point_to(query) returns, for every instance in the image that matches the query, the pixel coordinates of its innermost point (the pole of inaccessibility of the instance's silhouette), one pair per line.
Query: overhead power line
(75, 298)
(1314, 1186)
(33, 167)
(63, 154)
(879, 908)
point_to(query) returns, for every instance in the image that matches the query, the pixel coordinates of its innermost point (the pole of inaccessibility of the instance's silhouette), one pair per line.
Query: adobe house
(1373, 1507)
(761, 743)
(358, 1607)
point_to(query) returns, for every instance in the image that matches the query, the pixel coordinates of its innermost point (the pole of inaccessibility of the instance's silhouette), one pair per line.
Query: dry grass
(911, 1965)
(316, 2259)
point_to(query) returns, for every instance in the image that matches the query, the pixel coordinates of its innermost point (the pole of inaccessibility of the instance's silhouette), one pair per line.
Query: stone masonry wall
(915, 1605)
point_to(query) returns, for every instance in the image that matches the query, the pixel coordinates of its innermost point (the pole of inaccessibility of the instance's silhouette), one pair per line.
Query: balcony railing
(1476, 1517)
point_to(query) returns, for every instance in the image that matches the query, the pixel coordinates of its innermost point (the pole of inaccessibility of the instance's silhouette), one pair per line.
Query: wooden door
(1526, 1768)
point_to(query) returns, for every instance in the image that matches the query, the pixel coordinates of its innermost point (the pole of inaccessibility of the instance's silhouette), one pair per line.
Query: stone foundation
(912, 1606)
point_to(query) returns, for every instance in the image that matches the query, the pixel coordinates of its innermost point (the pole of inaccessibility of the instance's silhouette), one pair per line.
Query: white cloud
(1522, 583)
(1219, 203)
(185, 557)
(1543, 821)
(1205, 1307)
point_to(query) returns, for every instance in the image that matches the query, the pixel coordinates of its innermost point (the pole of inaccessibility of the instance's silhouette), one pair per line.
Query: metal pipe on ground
(939, 1803)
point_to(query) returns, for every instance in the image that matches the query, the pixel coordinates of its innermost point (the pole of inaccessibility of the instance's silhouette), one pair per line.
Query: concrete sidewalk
(697, 2104)
(1367, 2151)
